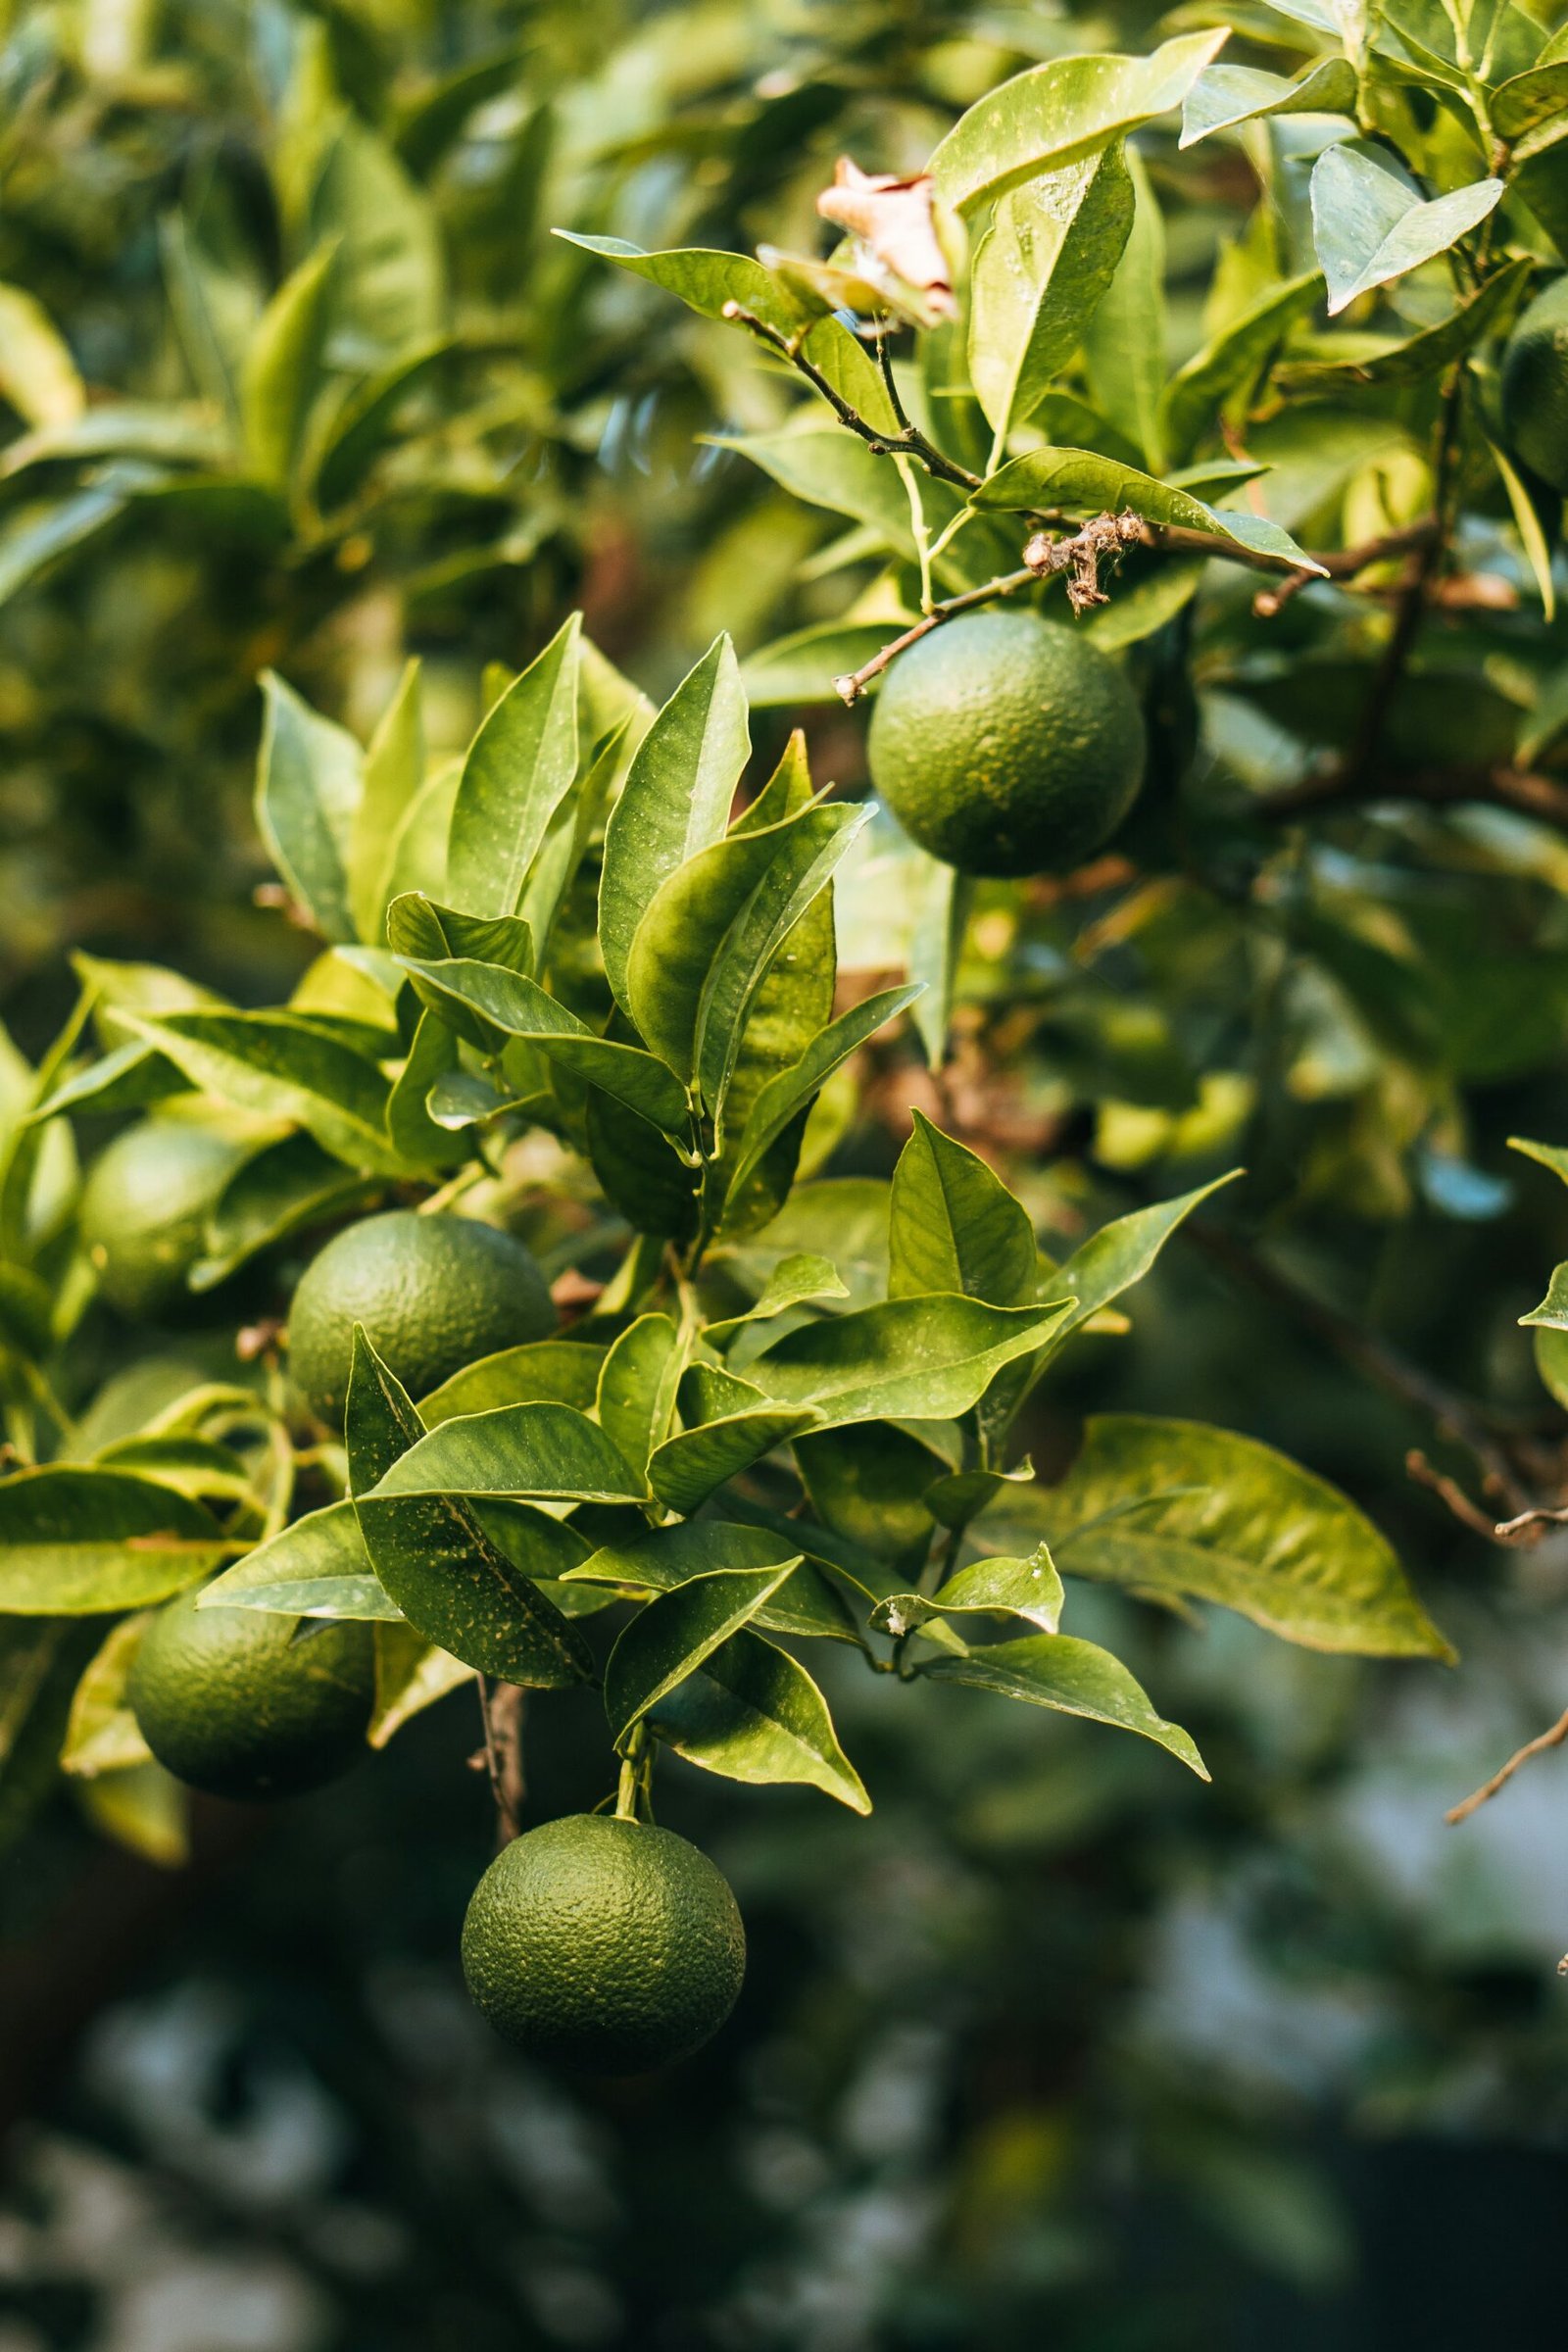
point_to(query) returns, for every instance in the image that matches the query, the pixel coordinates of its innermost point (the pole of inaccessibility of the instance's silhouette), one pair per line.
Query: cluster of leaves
(746, 1437)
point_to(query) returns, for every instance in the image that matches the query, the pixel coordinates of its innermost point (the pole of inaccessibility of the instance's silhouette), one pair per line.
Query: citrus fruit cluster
(604, 1943)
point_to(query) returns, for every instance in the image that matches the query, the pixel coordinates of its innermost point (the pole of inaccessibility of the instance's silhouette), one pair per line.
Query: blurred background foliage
(1059, 2041)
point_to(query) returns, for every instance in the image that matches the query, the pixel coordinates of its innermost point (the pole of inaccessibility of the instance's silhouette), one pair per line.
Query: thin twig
(909, 441)
(852, 684)
(1531, 1748)
(1448, 1490)
(1529, 1526)
(1344, 564)
(501, 1712)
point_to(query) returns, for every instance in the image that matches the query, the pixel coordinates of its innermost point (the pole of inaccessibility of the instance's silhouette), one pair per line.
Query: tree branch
(852, 684)
(501, 1712)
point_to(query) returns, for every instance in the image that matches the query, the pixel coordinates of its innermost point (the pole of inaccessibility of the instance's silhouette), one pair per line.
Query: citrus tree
(1132, 631)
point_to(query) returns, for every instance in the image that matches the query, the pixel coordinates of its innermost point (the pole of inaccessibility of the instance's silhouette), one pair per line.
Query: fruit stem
(633, 1800)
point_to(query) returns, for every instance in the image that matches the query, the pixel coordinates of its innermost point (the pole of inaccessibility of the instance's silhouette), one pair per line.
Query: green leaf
(518, 771)
(1549, 1155)
(992, 1588)
(675, 801)
(102, 1734)
(1552, 1313)
(282, 371)
(1224, 96)
(807, 1603)
(522, 1008)
(871, 1482)
(709, 938)
(317, 1567)
(793, 1281)
(955, 1226)
(783, 1096)
(801, 668)
(387, 294)
(1093, 485)
(1532, 536)
(81, 1542)
(308, 787)
(815, 458)
(435, 1560)
(1055, 112)
(752, 1713)
(1118, 1256)
(1231, 364)
(636, 1395)
(540, 1450)
(367, 424)
(410, 1675)
(1075, 1678)
(641, 1173)
(1526, 101)
(393, 774)
(1126, 338)
(704, 279)
(1038, 273)
(283, 1187)
(1422, 356)
(282, 1066)
(1177, 1506)
(540, 1372)
(414, 1133)
(922, 1359)
(945, 898)
(685, 1470)
(672, 1637)
(1369, 226)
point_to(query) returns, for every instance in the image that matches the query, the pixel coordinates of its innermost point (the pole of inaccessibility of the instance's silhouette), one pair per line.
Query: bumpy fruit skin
(1006, 744)
(1535, 386)
(433, 1293)
(228, 1700)
(605, 1945)
(145, 1206)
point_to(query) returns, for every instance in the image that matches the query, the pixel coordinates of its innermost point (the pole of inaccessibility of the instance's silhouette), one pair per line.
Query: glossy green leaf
(636, 1397)
(1125, 340)
(955, 1226)
(542, 1450)
(792, 1282)
(1120, 1255)
(282, 1067)
(909, 1359)
(540, 1372)
(308, 786)
(783, 1096)
(1549, 1155)
(414, 1133)
(1526, 101)
(709, 938)
(1420, 357)
(1224, 96)
(518, 771)
(816, 460)
(685, 1470)
(102, 1734)
(317, 1567)
(387, 294)
(80, 1542)
(936, 946)
(1039, 272)
(1176, 1506)
(519, 1008)
(393, 770)
(990, 1588)
(640, 1172)
(1055, 112)
(1073, 1676)
(1369, 226)
(1552, 1313)
(410, 1675)
(1080, 480)
(672, 1637)
(808, 1603)
(869, 1481)
(1533, 534)
(752, 1713)
(675, 801)
(704, 279)
(434, 1558)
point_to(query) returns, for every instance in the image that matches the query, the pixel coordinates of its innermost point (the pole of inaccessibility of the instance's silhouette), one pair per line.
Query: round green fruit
(433, 1292)
(605, 1944)
(1006, 744)
(1535, 386)
(228, 1701)
(144, 1210)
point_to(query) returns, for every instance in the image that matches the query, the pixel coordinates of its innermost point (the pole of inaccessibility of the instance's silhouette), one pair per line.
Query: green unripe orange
(605, 1945)
(1006, 744)
(433, 1292)
(144, 1210)
(1535, 386)
(230, 1701)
